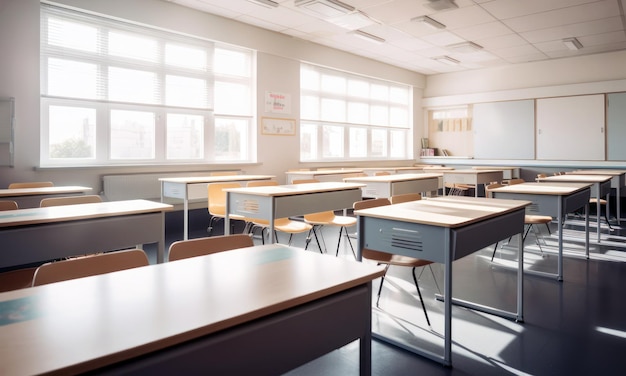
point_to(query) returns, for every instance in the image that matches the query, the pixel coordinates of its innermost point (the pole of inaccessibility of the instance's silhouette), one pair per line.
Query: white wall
(278, 70)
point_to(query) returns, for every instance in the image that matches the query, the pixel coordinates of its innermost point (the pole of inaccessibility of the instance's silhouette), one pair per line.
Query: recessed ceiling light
(446, 60)
(353, 21)
(367, 36)
(265, 3)
(572, 43)
(465, 47)
(324, 8)
(427, 21)
(441, 4)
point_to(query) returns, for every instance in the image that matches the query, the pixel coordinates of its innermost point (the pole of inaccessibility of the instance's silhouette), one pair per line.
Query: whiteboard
(504, 130)
(571, 128)
(616, 127)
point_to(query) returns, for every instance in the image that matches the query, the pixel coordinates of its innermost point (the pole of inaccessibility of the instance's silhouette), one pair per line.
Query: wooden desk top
(494, 168)
(448, 211)
(392, 178)
(24, 217)
(469, 171)
(325, 172)
(576, 178)
(43, 191)
(215, 179)
(599, 171)
(295, 189)
(79, 325)
(555, 189)
(401, 168)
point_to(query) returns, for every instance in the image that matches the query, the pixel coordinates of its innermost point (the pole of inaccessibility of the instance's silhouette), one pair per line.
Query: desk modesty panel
(270, 314)
(443, 229)
(42, 234)
(322, 175)
(390, 185)
(31, 197)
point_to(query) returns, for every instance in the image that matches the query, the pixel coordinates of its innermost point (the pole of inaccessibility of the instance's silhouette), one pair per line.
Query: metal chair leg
(420, 295)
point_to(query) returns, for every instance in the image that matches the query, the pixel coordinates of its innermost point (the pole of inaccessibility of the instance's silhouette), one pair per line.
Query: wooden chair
(530, 221)
(205, 246)
(8, 205)
(86, 266)
(217, 204)
(388, 259)
(405, 197)
(17, 279)
(382, 173)
(69, 200)
(285, 225)
(31, 184)
(327, 218)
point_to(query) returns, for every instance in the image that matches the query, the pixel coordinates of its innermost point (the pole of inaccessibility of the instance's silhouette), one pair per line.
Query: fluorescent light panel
(446, 60)
(441, 4)
(367, 36)
(353, 21)
(325, 8)
(427, 21)
(265, 3)
(465, 47)
(572, 43)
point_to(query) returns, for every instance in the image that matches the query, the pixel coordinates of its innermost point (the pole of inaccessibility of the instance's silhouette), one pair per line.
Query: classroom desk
(390, 185)
(371, 171)
(281, 201)
(555, 200)
(261, 310)
(41, 234)
(31, 197)
(507, 171)
(323, 175)
(443, 229)
(618, 181)
(601, 187)
(471, 177)
(195, 188)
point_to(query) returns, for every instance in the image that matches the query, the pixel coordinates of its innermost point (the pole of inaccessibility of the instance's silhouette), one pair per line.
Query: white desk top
(504, 168)
(448, 211)
(295, 189)
(576, 178)
(597, 172)
(468, 171)
(43, 191)
(325, 172)
(391, 178)
(215, 179)
(79, 325)
(23, 217)
(555, 189)
(401, 168)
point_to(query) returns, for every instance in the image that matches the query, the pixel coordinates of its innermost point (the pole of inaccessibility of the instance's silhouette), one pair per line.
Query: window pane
(232, 63)
(398, 144)
(185, 92)
(185, 57)
(309, 79)
(310, 108)
(185, 136)
(308, 141)
(333, 110)
(333, 84)
(72, 35)
(358, 113)
(230, 139)
(379, 143)
(68, 78)
(232, 99)
(379, 115)
(358, 88)
(333, 141)
(358, 142)
(72, 132)
(379, 92)
(130, 85)
(132, 134)
(398, 117)
(132, 46)
(399, 95)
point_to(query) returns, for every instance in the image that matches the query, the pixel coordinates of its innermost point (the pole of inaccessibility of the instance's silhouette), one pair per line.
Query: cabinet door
(571, 128)
(6, 131)
(616, 126)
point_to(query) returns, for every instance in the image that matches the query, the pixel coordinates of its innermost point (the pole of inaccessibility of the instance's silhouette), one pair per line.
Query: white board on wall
(504, 130)
(616, 127)
(571, 128)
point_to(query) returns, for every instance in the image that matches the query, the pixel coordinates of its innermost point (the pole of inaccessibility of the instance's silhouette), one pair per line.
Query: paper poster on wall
(277, 103)
(278, 127)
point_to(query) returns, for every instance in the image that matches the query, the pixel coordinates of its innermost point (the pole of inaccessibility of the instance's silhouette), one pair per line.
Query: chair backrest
(489, 187)
(224, 173)
(69, 200)
(406, 197)
(304, 181)
(366, 204)
(383, 173)
(89, 265)
(31, 184)
(542, 175)
(8, 205)
(217, 197)
(516, 181)
(205, 246)
(261, 183)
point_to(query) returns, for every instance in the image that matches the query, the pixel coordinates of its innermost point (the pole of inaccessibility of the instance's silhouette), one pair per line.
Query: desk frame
(469, 176)
(390, 185)
(444, 245)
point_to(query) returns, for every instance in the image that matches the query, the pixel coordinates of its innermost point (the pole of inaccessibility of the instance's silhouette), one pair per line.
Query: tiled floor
(573, 327)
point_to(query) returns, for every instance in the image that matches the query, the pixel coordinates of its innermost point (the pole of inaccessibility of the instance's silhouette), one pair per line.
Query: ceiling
(509, 31)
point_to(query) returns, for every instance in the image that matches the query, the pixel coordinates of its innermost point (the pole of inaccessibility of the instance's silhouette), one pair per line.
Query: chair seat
(537, 219)
(284, 225)
(594, 200)
(392, 259)
(338, 220)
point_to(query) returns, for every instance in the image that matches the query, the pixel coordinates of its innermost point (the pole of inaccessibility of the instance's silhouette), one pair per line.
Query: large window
(349, 117)
(114, 93)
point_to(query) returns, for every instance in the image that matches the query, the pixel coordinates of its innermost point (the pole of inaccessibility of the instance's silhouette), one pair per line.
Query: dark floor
(573, 327)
